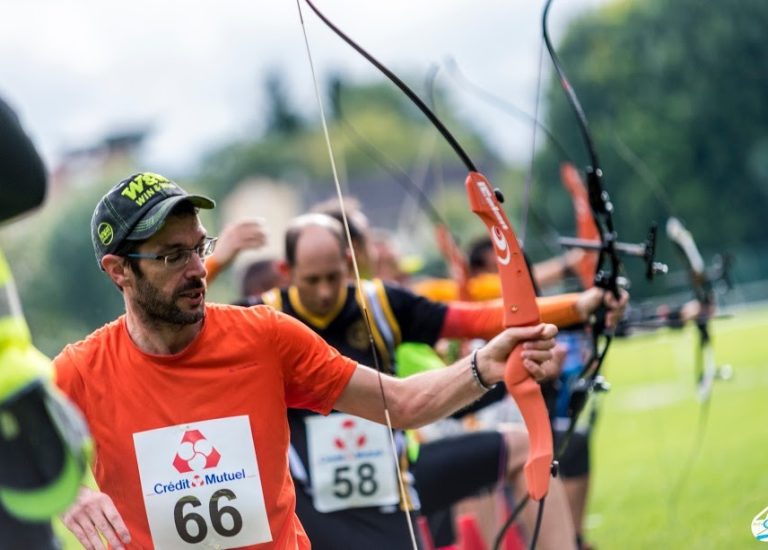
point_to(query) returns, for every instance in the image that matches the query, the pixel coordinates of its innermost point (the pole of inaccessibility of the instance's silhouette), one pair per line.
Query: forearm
(416, 400)
(426, 397)
(549, 272)
(561, 310)
(485, 319)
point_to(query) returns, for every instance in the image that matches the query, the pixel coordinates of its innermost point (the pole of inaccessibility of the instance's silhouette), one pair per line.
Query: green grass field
(648, 426)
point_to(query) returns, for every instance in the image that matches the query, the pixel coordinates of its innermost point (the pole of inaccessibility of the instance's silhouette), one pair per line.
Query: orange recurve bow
(517, 287)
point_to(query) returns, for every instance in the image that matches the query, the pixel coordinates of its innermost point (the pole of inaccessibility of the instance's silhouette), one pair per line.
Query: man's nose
(325, 291)
(196, 266)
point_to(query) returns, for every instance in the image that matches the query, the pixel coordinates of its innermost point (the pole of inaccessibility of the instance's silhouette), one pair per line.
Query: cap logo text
(105, 233)
(143, 186)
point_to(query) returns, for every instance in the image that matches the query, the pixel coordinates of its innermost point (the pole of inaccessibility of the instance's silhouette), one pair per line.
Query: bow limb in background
(706, 367)
(608, 266)
(452, 254)
(518, 294)
(455, 259)
(702, 278)
(586, 229)
(704, 292)
(608, 263)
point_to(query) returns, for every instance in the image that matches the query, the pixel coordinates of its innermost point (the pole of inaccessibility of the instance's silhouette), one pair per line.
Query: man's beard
(156, 309)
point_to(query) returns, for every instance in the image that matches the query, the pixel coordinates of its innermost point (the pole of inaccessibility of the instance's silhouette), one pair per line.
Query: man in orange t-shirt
(187, 402)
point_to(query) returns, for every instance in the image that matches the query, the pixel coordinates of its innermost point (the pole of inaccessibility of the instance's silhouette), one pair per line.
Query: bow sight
(645, 250)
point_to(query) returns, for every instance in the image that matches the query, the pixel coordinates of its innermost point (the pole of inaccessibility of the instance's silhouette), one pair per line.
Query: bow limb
(586, 228)
(705, 360)
(608, 262)
(519, 312)
(455, 259)
(703, 291)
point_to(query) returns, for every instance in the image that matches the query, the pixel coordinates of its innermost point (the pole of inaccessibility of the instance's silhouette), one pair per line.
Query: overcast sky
(193, 71)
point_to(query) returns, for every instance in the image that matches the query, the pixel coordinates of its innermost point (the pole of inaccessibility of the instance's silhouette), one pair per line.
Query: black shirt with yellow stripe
(397, 315)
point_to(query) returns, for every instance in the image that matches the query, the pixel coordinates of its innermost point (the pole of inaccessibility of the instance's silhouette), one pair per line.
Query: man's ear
(117, 269)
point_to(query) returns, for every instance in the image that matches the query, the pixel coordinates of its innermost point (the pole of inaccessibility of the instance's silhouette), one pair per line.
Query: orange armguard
(485, 319)
(213, 268)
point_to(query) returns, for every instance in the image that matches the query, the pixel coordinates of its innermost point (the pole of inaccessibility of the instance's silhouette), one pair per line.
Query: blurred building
(110, 159)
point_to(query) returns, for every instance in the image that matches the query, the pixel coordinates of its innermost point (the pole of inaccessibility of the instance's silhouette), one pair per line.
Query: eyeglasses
(181, 256)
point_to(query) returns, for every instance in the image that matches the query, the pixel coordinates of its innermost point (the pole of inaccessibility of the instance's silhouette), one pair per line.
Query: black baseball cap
(135, 209)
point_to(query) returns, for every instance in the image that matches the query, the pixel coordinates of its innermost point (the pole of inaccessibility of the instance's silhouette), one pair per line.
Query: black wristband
(476, 373)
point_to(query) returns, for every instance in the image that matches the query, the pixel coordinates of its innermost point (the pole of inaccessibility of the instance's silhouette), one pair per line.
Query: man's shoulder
(400, 297)
(236, 314)
(95, 341)
(233, 311)
(387, 288)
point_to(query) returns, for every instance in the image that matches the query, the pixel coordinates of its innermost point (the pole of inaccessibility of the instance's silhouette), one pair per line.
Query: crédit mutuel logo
(760, 526)
(351, 442)
(194, 455)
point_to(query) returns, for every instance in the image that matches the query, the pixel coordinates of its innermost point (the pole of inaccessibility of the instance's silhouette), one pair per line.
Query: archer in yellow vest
(42, 437)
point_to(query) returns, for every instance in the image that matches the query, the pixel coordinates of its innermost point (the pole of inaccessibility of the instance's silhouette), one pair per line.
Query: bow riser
(520, 310)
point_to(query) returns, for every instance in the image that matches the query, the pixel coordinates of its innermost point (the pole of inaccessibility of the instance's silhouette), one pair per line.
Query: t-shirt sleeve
(69, 379)
(314, 373)
(420, 319)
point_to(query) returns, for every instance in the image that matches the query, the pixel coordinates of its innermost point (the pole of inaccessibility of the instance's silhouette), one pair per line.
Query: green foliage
(63, 292)
(682, 86)
(377, 114)
(282, 118)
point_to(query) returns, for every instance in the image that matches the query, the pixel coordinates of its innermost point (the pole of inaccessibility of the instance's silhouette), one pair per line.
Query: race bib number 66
(201, 485)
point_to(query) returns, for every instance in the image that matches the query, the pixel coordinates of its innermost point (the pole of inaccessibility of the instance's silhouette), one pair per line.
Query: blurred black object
(22, 173)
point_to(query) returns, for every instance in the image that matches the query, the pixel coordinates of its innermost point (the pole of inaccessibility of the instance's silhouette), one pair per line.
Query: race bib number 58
(351, 463)
(201, 485)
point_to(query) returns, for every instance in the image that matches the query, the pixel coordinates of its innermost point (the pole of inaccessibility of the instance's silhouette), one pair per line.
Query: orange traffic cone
(469, 535)
(426, 535)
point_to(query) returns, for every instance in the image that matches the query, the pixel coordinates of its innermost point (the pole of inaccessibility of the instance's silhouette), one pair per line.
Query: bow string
(517, 289)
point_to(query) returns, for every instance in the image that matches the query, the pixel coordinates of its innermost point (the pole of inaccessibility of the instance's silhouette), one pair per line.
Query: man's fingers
(109, 529)
(538, 371)
(538, 356)
(117, 524)
(549, 331)
(614, 303)
(76, 530)
(91, 541)
(94, 514)
(547, 344)
(559, 352)
(536, 332)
